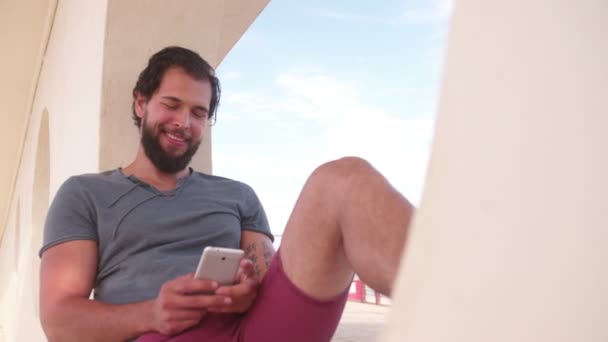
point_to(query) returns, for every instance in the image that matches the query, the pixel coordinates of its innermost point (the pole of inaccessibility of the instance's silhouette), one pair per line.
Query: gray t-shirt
(145, 236)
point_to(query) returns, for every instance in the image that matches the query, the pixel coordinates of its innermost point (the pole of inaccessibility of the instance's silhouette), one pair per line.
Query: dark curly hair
(174, 56)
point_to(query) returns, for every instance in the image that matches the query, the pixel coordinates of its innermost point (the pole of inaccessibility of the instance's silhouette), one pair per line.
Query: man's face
(173, 120)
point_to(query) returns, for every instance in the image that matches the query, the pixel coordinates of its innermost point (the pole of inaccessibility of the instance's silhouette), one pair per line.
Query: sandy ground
(361, 322)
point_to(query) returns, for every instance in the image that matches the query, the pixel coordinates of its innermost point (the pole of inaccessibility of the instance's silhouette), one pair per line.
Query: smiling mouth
(175, 137)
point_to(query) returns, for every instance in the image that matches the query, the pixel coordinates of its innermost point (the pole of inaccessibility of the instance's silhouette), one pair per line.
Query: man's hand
(243, 293)
(183, 301)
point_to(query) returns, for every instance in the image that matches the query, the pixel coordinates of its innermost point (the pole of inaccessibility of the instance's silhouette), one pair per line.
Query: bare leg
(347, 219)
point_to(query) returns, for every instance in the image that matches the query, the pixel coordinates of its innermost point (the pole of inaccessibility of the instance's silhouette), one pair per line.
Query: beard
(163, 160)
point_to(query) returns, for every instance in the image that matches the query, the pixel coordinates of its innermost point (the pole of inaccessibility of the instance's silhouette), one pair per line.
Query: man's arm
(259, 249)
(66, 278)
(67, 273)
(258, 255)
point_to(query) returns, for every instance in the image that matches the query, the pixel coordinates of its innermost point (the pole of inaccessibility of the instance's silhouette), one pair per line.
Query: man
(135, 235)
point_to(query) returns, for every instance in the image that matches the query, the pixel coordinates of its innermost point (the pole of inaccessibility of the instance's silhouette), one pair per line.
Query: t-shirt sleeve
(253, 216)
(71, 216)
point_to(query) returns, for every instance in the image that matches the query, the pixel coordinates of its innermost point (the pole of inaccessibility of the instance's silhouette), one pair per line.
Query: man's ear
(139, 102)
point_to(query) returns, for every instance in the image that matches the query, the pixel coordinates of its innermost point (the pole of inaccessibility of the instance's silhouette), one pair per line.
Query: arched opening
(9, 254)
(40, 201)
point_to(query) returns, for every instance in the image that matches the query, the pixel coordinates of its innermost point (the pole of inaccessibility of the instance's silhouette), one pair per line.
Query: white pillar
(511, 240)
(209, 27)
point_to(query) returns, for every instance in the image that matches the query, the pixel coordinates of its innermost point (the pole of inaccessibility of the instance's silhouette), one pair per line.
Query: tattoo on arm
(268, 253)
(261, 254)
(250, 253)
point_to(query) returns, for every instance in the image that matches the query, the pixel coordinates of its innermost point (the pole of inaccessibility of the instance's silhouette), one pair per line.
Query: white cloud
(248, 102)
(438, 15)
(335, 116)
(347, 16)
(341, 123)
(318, 96)
(228, 116)
(438, 12)
(230, 75)
(273, 137)
(396, 145)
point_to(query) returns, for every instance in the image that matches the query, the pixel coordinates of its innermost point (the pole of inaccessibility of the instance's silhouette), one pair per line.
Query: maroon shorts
(281, 312)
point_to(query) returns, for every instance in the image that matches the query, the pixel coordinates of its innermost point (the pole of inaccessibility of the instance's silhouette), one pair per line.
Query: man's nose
(182, 118)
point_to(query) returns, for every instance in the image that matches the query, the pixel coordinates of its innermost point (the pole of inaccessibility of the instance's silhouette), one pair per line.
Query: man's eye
(170, 106)
(200, 115)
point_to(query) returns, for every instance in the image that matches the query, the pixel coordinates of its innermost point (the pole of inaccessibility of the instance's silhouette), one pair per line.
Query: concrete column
(137, 29)
(510, 240)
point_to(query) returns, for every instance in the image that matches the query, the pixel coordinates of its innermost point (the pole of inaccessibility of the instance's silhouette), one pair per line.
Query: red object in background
(359, 294)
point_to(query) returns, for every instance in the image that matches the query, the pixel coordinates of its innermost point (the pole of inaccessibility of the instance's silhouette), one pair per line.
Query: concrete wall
(77, 117)
(510, 240)
(24, 29)
(63, 130)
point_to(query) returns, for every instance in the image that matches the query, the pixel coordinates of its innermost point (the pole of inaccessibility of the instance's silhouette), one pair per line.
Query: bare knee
(321, 203)
(333, 182)
(342, 170)
(344, 164)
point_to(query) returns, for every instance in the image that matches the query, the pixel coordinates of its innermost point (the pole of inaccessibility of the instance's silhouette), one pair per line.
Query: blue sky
(317, 80)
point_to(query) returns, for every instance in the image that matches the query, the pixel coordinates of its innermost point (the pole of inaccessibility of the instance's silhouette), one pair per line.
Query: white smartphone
(219, 264)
